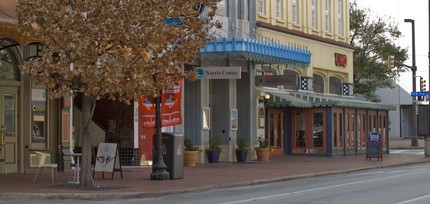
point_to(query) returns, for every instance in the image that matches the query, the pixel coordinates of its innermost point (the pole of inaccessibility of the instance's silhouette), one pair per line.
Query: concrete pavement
(137, 184)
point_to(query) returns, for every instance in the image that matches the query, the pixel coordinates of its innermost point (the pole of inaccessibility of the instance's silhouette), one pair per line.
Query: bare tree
(114, 49)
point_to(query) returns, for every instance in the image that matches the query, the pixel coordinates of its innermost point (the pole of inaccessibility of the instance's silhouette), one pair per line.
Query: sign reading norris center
(218, 73)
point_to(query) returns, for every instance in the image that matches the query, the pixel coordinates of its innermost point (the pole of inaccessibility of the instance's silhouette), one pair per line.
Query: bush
(214, 144)
(242, 143)
(189, 146)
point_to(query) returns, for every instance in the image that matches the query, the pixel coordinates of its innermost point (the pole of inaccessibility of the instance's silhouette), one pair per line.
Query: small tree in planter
(263, 149)
(241, 149)
(214, 149)
(190, 153)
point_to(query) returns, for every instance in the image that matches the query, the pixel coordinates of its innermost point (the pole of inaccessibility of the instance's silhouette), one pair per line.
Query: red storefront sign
(340, 60)
(170, 108)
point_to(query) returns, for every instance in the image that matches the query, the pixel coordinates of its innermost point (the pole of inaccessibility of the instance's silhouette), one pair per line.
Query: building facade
(316, 113)
(312, 108)
(28, 119)
(296, 52)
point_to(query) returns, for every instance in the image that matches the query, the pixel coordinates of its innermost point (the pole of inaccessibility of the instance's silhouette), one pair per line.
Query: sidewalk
(405, 143)
(137, 184)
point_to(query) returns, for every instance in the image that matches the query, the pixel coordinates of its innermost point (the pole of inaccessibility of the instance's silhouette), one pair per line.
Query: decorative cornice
(303, 35)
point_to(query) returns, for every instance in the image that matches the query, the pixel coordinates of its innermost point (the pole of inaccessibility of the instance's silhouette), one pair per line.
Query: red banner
(170, 108)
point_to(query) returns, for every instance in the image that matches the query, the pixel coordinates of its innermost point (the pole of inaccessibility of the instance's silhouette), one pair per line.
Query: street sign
(418, 93)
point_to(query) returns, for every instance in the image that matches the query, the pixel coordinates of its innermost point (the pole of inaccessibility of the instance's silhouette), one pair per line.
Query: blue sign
(200, 73)
(424, 93)
(176, 21)
(374, 137)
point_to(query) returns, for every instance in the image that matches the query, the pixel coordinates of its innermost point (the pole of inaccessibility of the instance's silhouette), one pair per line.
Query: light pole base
(414, 142)
(160, 175)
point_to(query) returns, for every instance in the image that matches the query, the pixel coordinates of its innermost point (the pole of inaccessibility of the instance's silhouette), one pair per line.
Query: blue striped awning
(258, 50)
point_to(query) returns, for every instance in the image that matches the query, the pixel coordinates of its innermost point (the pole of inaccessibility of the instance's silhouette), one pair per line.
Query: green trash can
(173, 154)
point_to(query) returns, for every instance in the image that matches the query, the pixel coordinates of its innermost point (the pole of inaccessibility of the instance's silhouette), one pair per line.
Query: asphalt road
(401, 185)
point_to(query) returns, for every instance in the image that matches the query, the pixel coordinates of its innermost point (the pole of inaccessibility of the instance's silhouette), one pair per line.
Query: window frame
(294, 12)
(314, 14)
(278, 11)
(261, 7)
(327, 16)
(340, 17)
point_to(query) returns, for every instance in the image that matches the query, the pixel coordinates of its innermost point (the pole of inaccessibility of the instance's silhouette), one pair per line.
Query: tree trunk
(88, 106)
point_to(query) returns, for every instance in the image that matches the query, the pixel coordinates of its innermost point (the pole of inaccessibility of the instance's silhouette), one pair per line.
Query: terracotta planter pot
(262, 154)
(190, 158)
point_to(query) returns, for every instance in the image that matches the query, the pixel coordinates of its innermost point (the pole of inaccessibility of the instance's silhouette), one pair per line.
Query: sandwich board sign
(107, 159)
(374, 146)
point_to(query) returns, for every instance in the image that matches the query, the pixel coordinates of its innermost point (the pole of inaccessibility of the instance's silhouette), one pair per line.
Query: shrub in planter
(241, 149)
(214, 149)
(263, 150)
(190, 153)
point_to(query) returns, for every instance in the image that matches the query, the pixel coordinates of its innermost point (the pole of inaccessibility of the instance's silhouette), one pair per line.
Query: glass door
(276, 130)
(9, 127)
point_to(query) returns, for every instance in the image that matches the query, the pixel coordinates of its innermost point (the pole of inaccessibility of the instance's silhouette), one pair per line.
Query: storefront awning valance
(258, 50)
(309, 100)
(287, 100)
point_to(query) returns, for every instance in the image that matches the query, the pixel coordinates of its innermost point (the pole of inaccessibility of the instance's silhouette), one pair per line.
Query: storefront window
(300, 130)
(9, 115)
(335, 135)
(39, 135)
(341, 130)
(318, 130)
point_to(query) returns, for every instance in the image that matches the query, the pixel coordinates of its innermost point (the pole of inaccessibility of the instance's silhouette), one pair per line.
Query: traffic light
(422, 84)
(390, 61)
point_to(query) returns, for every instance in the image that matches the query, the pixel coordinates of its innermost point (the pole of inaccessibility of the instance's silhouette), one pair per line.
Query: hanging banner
(170, 108)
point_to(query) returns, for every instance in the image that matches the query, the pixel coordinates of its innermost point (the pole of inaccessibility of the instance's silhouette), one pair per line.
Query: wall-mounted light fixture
(264, 97)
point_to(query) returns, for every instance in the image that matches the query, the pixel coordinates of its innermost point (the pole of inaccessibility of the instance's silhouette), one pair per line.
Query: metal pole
(427, 140)
(158, 167)
(414, 141)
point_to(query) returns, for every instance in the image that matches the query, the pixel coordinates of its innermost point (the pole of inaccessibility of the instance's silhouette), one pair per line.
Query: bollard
(427, 147)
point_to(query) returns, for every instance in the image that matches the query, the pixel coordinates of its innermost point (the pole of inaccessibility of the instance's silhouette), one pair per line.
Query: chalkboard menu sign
(374, 146)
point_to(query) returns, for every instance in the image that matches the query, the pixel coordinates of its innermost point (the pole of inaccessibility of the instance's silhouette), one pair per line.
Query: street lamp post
(158, 167)
(414, 141)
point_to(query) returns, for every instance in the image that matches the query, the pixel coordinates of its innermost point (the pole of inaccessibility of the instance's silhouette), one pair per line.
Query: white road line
(320, 188)
(415, 199)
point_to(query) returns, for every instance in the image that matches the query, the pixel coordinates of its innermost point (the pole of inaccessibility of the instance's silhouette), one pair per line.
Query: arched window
(335, 86)
(8, 65)
(318, 84)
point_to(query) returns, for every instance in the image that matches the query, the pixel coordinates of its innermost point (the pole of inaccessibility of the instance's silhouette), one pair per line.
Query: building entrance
(9, 127)
(276, 130)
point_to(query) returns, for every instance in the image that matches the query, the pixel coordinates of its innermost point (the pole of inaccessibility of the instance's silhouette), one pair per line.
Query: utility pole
(427, 140)
(414, 142)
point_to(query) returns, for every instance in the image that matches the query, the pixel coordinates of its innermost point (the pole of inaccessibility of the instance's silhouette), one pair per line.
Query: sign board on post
(289, 81)
(218, 72)
(374, 146)
(107, 159)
